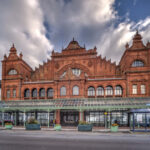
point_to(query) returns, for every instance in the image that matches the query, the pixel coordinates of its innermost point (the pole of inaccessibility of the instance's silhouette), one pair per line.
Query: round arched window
(100, 91)
(63, 91)
(12, 72)
(50, 92)
(34, 93)
(118, 90)
(138, 63)
(109, 90)
(91, 91)
(42, 92)
(75, 90)
(26, 93)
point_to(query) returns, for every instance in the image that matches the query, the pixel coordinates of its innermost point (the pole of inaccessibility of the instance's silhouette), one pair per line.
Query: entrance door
(69, 118)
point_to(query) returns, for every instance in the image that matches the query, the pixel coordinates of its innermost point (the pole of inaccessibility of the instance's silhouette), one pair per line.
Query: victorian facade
(77, 84)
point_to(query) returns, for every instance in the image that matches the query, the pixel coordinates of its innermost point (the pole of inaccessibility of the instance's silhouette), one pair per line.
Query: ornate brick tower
(14, 71)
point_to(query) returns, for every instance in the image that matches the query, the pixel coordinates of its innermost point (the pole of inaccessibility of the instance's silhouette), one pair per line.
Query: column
(58, 116)
(105, 113)
(3, 118)
(48, 119)
(24, 118)
(15, 118)
(81, 115)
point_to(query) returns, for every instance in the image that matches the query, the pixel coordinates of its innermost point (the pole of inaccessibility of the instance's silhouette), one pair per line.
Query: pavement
(75, 129)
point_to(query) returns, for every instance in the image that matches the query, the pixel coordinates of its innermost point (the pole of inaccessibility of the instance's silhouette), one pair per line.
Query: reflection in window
(27, 93)
(76, 71)
(137, 63)
(109, 90)
(12, 72)
(143, 89)
(91, 91)
(50, 92)
(75, 90)
(100, 91)
(34, 93)
(42, 92)
(8, 93)
(118, 90)
(63, 91)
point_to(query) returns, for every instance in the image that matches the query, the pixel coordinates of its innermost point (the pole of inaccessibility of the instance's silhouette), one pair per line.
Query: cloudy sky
(36, 27)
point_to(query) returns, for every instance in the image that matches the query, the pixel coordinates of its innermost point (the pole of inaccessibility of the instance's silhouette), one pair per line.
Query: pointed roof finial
(127, 45)
(73, 39)
(137, 32)
(13, 49)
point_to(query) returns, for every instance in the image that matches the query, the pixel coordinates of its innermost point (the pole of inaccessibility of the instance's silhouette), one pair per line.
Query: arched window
(63, 91)
(109, 90)
(34, 93)
(8, 93)
(118, 90)
(138, 63)
(26, 93)
(100, 91)
(42, 92)
(12, 72)
(91, 91)
(50, 92)
(75, 90)
(14, 93)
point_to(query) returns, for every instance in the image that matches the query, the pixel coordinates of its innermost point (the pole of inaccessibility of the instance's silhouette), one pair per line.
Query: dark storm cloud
(38, 26)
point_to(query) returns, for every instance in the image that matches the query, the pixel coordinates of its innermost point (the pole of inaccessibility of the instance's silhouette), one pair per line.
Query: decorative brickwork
(76, 66)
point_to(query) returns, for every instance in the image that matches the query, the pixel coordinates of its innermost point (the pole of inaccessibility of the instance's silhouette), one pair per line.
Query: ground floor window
(100, 118)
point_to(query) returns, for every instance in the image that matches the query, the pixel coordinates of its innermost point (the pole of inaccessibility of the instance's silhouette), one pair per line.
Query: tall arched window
(26, 93)
(91, 91)
(42, 92)
(100, 91)
(63, 91)
(12, 72)
(34, 93)
(109, 90)
(8, 93)
(138, 63)
(118, 90)
(75, 90)
(50, 92)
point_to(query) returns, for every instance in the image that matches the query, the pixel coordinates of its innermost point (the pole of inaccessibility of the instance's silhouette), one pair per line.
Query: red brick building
(78, 73)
